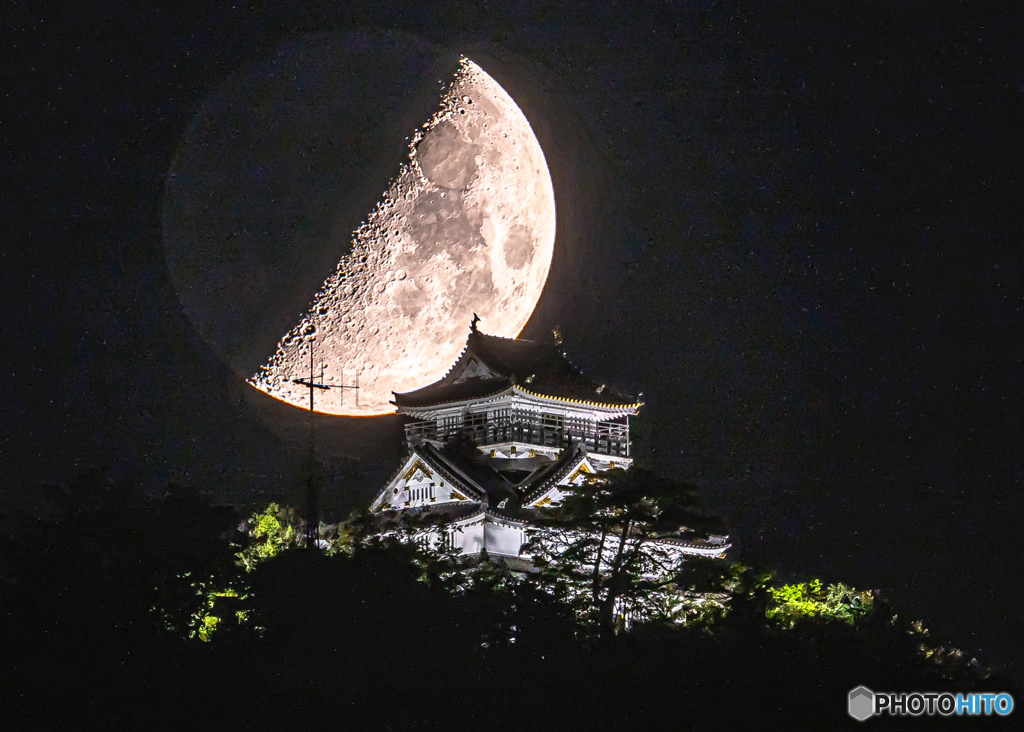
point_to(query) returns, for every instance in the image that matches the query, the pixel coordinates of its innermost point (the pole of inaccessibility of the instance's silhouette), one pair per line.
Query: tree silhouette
(366, 637)
(613, 548)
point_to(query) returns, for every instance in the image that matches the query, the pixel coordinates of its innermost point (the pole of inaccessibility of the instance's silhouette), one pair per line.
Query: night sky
(796, 233)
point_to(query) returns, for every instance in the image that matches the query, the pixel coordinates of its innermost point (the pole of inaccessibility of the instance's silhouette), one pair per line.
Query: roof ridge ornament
(472, 324)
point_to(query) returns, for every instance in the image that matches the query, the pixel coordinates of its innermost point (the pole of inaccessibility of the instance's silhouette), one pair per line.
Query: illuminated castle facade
(507, 433)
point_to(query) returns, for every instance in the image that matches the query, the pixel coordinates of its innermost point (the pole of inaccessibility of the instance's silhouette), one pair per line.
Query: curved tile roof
(566, 462)
(540, 369)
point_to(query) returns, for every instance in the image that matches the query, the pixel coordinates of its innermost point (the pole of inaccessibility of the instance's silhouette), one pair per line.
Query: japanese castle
(504, 436)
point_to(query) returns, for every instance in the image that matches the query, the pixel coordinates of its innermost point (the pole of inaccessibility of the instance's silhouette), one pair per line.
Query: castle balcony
(530, 428)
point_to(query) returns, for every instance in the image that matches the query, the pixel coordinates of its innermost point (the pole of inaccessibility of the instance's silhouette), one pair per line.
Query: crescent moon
(467, 226)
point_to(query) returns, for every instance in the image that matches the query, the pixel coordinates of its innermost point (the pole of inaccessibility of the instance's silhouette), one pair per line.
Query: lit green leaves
(271, 531)
(796, 602)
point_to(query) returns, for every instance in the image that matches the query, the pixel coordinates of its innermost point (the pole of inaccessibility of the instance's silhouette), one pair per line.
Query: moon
(467, 226)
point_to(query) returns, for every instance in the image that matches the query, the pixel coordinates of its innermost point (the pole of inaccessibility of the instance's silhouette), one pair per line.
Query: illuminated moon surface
(467, 226)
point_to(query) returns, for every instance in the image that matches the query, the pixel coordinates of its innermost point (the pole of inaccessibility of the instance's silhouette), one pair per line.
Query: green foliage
(946, 662)
(207, 627)
(794, 603)
(340, 538)
(217, 598)
(750, 596)
(615, 520)
(213, 603)
(271, 531)
(196, 604)
(709, 595)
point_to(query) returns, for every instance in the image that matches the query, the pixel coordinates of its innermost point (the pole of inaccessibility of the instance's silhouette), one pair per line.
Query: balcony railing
(605, 438)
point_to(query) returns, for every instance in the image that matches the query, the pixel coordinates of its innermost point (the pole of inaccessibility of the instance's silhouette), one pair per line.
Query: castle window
(552, 427)
(422, 493)
(475, 422)
(553, 421)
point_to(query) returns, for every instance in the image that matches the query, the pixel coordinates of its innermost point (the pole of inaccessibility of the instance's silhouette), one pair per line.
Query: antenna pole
(313, 507)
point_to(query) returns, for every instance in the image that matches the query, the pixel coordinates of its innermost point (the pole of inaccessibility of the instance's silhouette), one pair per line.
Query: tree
(613, 549)
(814, 600)
(270, 532)
(419, 540)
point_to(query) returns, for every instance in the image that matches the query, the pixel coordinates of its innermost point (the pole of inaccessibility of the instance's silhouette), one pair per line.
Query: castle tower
(523, 403)
(507, 433)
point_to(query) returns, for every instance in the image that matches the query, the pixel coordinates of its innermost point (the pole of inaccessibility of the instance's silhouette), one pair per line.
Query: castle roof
(491, 496)
(472, 474)
(548, 476)
(489, 366)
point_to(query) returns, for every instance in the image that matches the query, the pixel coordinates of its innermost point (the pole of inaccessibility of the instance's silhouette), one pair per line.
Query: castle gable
(473, 368)
(425, 480)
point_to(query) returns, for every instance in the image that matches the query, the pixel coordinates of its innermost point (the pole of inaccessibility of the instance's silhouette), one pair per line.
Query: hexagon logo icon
(861, 703)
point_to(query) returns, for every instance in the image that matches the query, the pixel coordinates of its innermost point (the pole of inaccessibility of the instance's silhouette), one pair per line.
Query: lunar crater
(445, 159)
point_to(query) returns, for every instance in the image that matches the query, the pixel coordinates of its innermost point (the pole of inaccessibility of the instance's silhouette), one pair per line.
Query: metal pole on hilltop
(312, 529)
